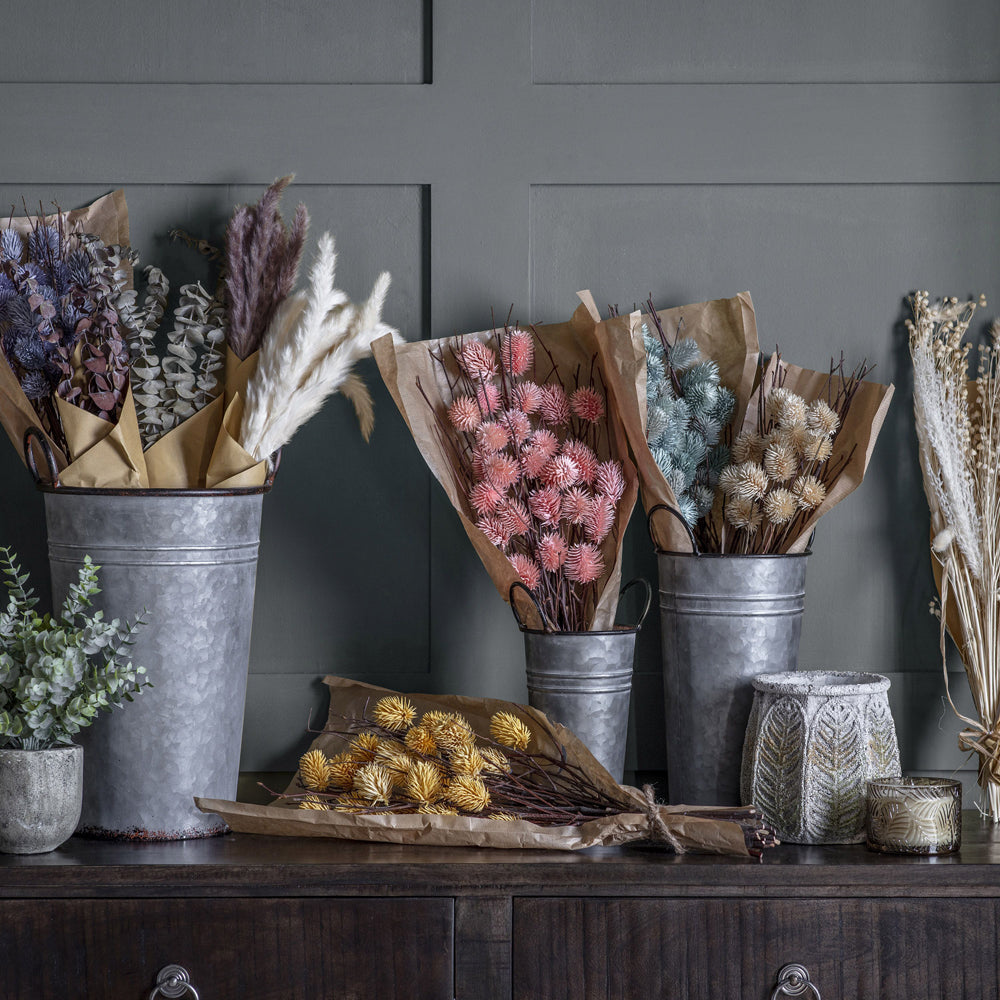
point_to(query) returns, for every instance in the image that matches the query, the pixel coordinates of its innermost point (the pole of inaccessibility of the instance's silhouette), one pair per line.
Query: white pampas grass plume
(307, 354)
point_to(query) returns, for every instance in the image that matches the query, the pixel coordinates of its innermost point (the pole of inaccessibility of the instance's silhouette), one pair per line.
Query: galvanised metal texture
(583, 680)
(191, 562)
(723, 620)
(40, 795)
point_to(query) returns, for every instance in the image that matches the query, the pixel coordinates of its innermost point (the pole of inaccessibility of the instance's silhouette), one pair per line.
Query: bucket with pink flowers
(515, 424)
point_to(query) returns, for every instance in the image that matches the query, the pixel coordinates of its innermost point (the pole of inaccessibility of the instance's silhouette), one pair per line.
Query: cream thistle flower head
(780, 461)
(395, 713)
(780, 506)
(809, 492)
(744, 514)
(374, 783)
(314, 771)
(748, 447)
(821, 418)
(508, 729)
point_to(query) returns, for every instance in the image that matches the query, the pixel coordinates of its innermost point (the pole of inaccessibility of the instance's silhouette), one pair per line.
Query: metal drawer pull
(793, 981)
(173, 981)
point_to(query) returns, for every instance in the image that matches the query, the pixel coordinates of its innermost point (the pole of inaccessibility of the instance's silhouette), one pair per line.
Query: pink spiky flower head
(584, 563)
(501, 470)
(517, 352)
(599, 519)
(477, 360)
(609, 480)
(492, 437)
(546, 504)
(493, 529)
(527, 570)
(534, 460)
(575, 505)
(586, 460)
(587, 404)
(554, 405)
(545, 441)
(488, 398)
(464, 414)
(514, 517)
(485, 498)
(552, 551)
(518, 424)
(561, 472)
(527, 396)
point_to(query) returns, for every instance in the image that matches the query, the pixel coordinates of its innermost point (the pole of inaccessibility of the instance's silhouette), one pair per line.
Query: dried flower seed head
(488, 398)
(599, 519)
(501, 471)
(793, 437)
(495, 761)
(575, 505)
(374, 783)
(517, 352)
(560, 472)
(494, 531)
(546, 504)
(394, 712)
(518, 425)
(780, 462)
(784, 407)
(820, 417)
(418, 739)
(534, 460)
(748, 447)
(527, 396)
(449, 729)
(609, 481)
(729, 479)
(552, 552)
(584, 563)
(362, 748)
(464, 414)
(392, 754)
(469, 794)
(554, 405)
(743, 514)
(438, 810)
(484, 498)
(585, 459)
(467, 760)
(527, 570)
(751, 481)
(313, 802)
(514, 517)
(780, 506)
(508, 729)
(504, 816)
(818, 448)
(314, 770)
(351, 803)
(545, 442)
(587, 404)
(478, 360)
(492, 437)
(343, 767)
(423, 782)
(809, 492)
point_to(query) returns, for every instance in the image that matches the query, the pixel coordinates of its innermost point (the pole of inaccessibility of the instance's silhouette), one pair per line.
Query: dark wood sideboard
(262, 918)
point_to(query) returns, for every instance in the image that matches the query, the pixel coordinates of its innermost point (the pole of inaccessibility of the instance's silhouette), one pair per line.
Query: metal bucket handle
(649, 600)
(546, 624)
(33, 436)
(272, 468)
(676, 513)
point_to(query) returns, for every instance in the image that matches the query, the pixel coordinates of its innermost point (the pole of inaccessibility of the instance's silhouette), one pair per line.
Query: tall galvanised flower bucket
(724, 619)
(583, 681)
(190, 559)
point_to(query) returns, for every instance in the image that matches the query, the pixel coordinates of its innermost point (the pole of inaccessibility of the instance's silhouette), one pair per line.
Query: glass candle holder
(914, 815)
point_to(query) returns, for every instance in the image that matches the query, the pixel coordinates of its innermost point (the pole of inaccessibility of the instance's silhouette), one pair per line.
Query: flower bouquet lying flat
(427, 769)
(514, 423)
(749, 456)
(241, 368)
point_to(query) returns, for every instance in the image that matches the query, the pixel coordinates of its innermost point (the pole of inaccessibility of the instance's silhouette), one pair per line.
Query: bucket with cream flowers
(737, 463)
(515, 424)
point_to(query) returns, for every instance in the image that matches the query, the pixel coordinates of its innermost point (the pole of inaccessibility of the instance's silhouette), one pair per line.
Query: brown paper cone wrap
(571, 344)
(231, 465)
(726, 332)
(180, 459)
(352, 698)
(17, 414)
(852, 446)
(104, 455)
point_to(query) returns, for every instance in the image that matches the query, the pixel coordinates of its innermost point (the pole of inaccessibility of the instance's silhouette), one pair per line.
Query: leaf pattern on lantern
(883, 750)
(778, 785)
(836, 757)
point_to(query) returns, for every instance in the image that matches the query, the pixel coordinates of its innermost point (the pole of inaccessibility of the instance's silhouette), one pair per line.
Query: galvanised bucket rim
(735, 555)
(233, 491)
(617, 630)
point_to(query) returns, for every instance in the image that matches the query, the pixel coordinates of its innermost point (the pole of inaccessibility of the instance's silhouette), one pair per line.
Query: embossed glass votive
(914, 815)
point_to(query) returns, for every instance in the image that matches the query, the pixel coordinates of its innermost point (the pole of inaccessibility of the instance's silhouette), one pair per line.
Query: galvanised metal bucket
(583, 680)
(189, 557)
(723, 619)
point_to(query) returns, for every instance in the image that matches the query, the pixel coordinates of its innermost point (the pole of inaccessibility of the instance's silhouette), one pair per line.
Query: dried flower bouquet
(515, 424)
(958, 431)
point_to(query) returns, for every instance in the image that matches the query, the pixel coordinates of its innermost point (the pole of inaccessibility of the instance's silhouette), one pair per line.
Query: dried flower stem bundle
(958, 431)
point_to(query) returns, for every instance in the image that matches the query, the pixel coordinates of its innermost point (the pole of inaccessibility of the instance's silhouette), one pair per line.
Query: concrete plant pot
(41, 795)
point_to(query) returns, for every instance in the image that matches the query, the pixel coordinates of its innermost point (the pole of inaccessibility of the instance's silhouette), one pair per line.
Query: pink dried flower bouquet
(534, 463)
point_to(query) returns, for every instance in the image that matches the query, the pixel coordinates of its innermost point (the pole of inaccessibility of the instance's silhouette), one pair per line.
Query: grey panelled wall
(830, 158)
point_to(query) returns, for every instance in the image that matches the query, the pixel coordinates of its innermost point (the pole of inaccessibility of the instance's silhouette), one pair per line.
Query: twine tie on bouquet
(985, 742)
(657, 827)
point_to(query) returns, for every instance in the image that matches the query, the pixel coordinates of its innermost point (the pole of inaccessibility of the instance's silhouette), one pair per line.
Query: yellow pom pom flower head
(452, 733)
(314, 771)
(313, 802)
(508, 729)
(423, 782)
(438, 809)
(395, 713)
(343, 767)
(494, 761)
(419, 740)
(374, 783)
(469, 794)
(363, 747)
(467, 760)
(395, 760)
(506, 817)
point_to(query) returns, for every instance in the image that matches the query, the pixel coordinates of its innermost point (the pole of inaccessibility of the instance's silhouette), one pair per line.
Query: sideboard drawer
(233, 949)
(724, 949)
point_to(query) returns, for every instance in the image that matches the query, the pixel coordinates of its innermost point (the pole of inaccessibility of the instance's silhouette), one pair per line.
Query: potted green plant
(56, 674)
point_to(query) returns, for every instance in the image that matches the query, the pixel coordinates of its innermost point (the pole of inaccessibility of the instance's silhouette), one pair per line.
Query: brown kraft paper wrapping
(231, 465)
(726, 332)
(571, 344)
(350, 698)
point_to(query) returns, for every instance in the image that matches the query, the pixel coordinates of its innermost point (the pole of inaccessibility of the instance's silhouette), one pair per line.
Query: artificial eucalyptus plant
(56, 674)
